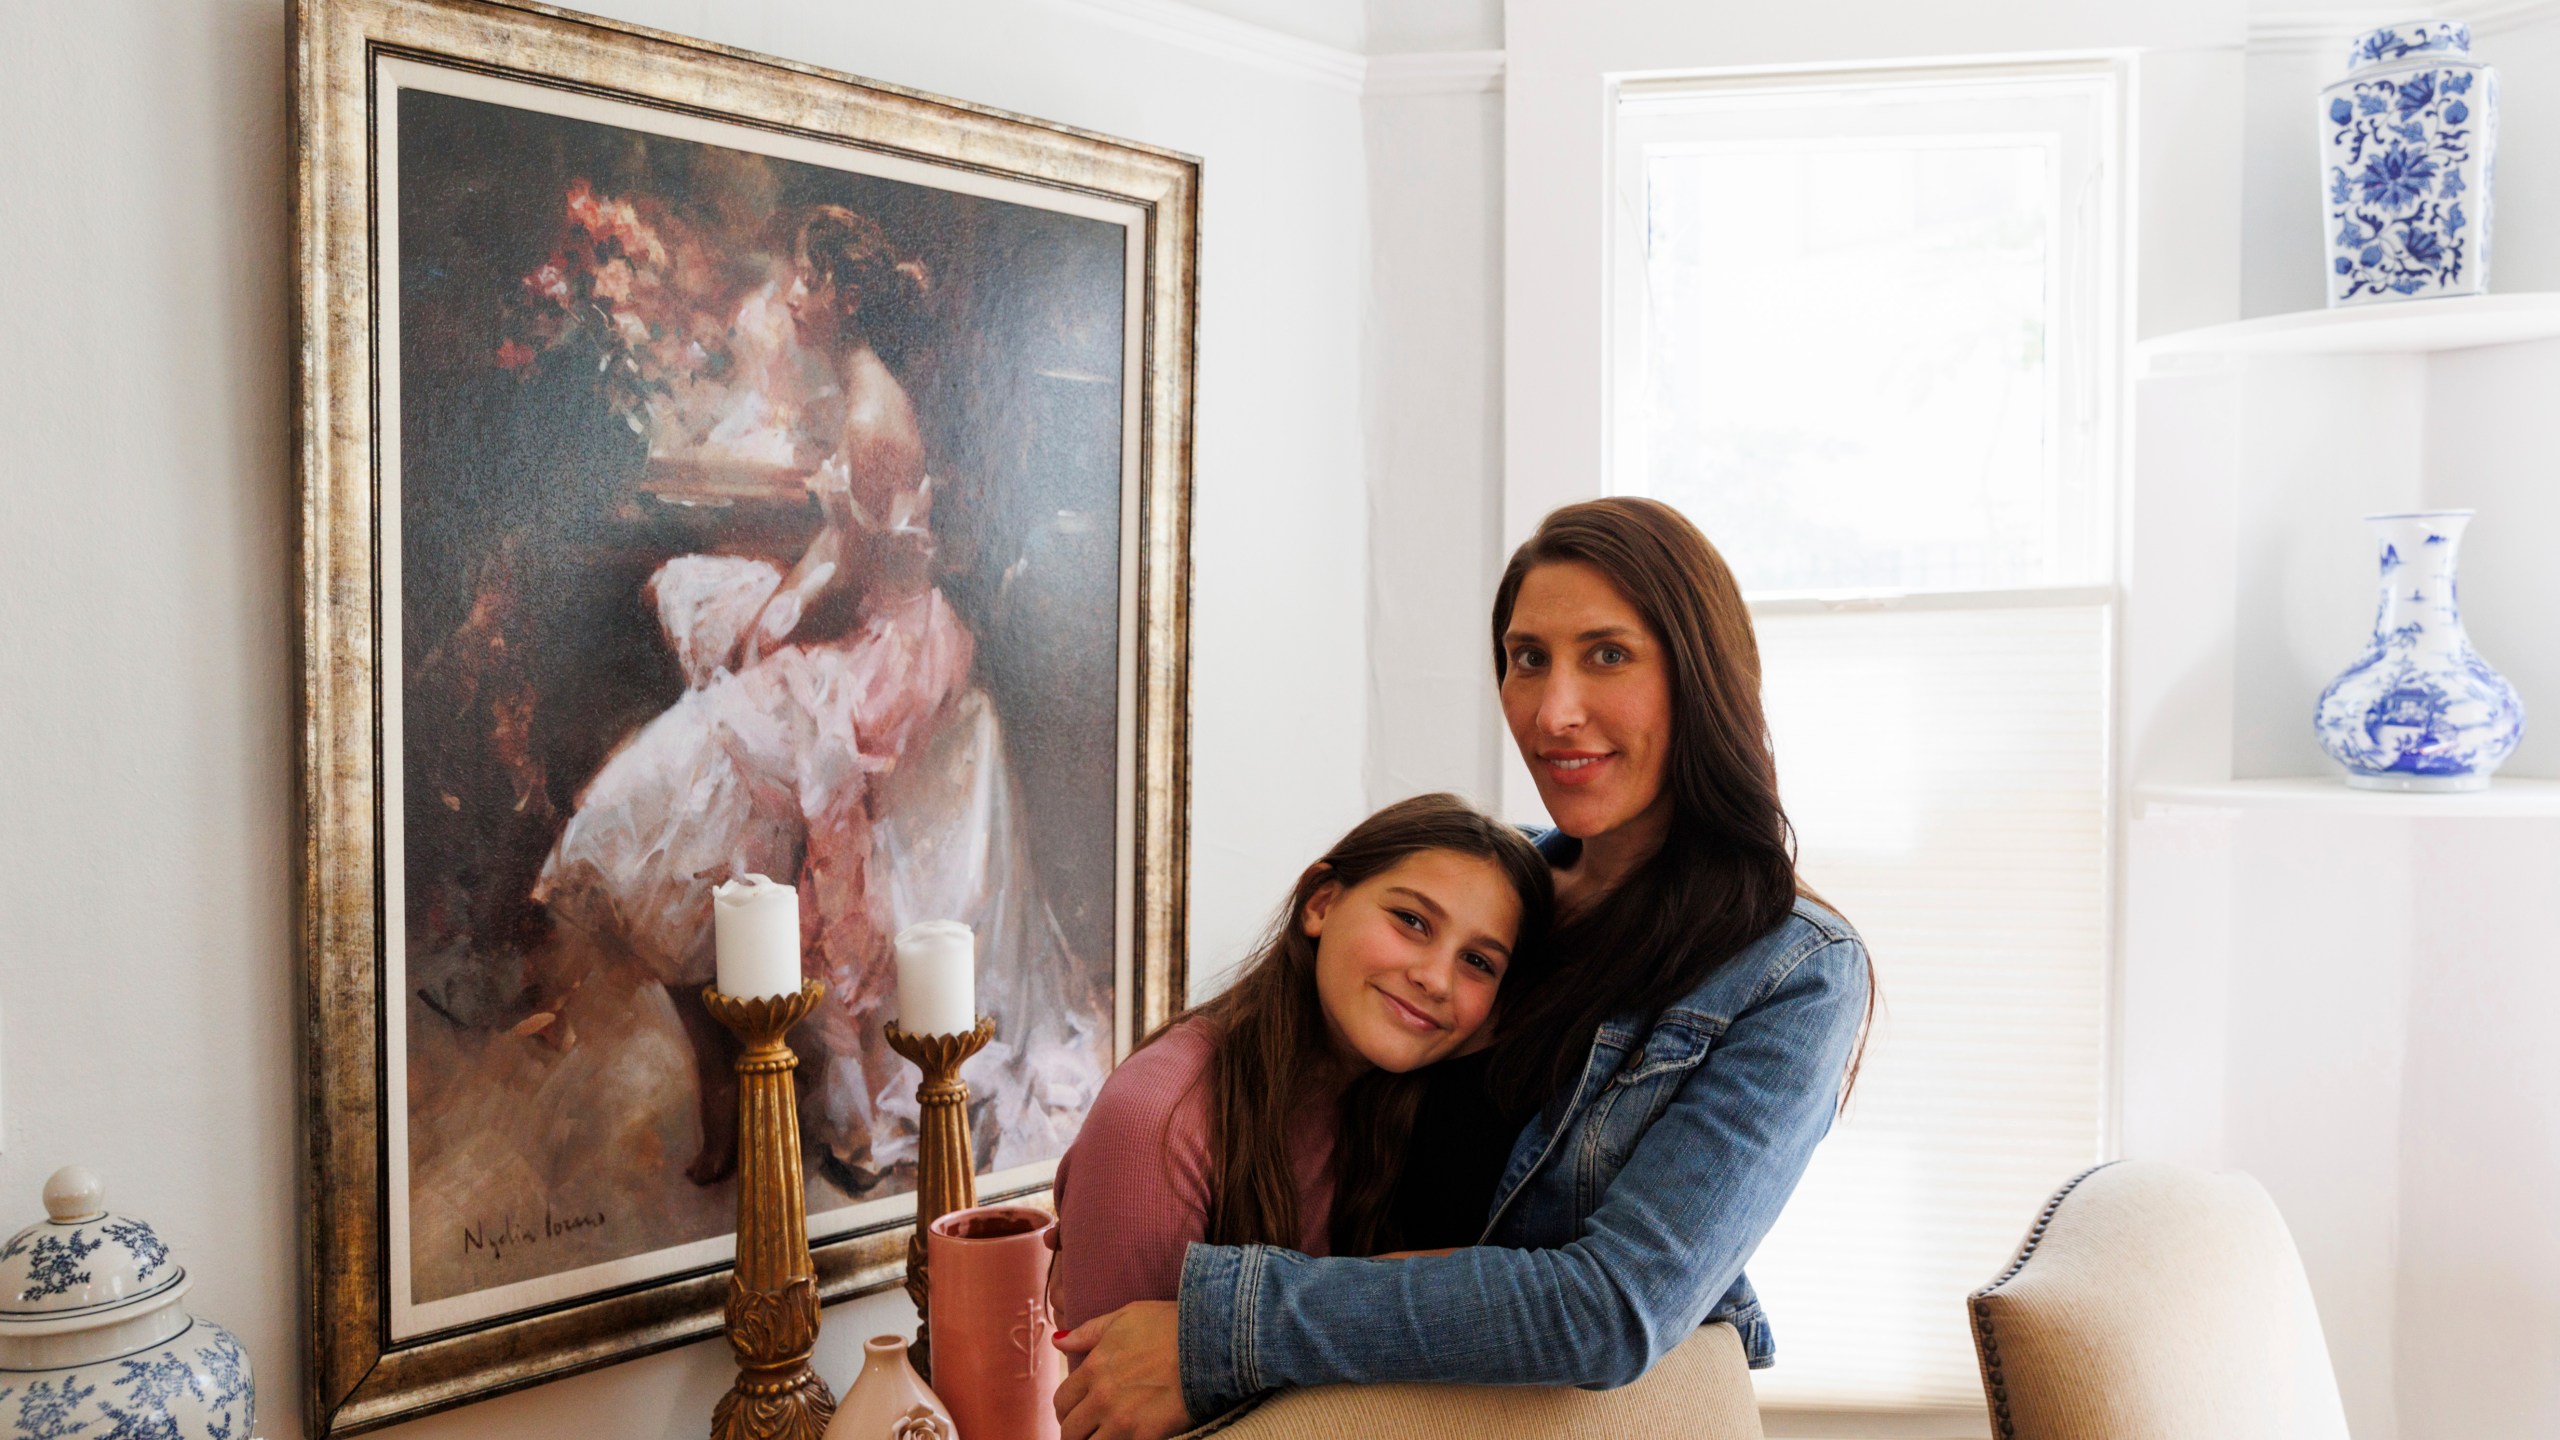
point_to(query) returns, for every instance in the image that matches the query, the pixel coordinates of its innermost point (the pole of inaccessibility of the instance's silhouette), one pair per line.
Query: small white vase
(93, 1341)
(2419, 710)
(888, 1400)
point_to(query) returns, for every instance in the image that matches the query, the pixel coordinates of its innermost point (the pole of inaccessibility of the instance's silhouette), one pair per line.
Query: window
(1863, 331)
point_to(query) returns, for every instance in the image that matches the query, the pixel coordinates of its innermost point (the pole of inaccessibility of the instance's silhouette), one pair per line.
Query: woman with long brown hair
(1643, 1116)
(1278, 1113)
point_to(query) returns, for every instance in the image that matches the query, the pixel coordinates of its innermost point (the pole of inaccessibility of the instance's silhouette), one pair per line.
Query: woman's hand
(1129, 1386)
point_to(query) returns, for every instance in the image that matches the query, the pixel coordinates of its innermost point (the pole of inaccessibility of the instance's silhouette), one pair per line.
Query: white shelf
(2512, 798)
(2404, 326)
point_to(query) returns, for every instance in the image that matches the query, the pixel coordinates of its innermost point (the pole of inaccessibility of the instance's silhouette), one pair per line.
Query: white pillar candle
(755, 925)
(937, 978)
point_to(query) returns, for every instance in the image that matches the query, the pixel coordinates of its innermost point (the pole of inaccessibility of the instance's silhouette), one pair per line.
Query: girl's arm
(1133, 1190)
(1704, 1184)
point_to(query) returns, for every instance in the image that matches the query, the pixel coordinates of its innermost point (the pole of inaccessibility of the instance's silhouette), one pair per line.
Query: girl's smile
(1421, 1024)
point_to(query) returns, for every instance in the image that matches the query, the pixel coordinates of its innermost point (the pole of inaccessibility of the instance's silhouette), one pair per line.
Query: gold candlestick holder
(946, 1159)
(773, 1292)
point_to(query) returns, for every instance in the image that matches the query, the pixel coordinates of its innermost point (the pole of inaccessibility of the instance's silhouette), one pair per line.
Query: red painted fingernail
(1061, 1335)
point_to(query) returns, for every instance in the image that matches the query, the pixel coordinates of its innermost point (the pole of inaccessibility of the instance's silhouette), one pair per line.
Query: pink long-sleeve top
(1133, 1190)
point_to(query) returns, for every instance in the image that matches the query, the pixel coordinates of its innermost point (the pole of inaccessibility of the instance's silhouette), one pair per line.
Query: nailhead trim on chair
(1996, 1389)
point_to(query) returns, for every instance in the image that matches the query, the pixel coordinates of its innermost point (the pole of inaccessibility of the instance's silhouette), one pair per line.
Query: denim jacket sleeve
(1701, 1186)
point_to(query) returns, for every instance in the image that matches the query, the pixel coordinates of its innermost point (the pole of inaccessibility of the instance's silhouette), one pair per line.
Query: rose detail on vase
(2410, 140)
(921, 1424)
(2419, 710)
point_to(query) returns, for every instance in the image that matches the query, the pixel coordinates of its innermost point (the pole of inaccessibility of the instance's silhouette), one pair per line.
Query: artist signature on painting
(495, 1240)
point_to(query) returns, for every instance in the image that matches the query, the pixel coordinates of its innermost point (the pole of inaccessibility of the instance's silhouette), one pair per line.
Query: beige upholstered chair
(1700, 1391)
(2154, 1302)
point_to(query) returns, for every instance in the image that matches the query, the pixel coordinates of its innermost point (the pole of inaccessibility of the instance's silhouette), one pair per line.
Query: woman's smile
(1573, 767)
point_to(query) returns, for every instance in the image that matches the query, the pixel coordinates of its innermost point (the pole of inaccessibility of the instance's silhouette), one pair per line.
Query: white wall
(147, 971)
(1338, 24)
(2478, 1291)
(1434, 407)
(1401, 27)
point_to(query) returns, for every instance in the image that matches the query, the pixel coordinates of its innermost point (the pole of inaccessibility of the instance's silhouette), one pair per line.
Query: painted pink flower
(583, 206)
(550, 282)
(615, 220)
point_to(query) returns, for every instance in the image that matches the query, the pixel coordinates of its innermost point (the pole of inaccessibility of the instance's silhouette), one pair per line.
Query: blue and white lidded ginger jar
(2410, 141)
(2420, 710)
(93, 1342)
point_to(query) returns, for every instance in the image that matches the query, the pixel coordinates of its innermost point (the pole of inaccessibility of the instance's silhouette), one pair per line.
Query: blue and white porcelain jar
(93, 1342)
(2420, 710)
(2410, 139)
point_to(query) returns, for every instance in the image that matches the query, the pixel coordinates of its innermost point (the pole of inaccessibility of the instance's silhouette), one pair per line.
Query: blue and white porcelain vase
(2420, 710)
(93, 1342)
(2411, 140)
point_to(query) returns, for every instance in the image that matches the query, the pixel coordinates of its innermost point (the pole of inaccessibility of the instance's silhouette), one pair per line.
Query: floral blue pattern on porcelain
(2410, 37)
(2410, 136)
(148, 1251)
(2419, 710)
(195, 1387)
(94, 1344)
(55, 1268)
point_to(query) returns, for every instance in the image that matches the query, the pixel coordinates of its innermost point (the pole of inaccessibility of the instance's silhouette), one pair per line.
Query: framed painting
(709, 465)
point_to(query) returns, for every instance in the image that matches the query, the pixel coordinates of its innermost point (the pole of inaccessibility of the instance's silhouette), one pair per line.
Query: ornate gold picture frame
(708, 463)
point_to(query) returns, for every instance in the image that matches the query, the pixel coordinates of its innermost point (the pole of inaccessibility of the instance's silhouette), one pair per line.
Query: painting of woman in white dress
(756, 516)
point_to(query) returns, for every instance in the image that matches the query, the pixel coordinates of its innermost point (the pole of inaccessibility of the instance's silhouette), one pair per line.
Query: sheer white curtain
(1864, 329)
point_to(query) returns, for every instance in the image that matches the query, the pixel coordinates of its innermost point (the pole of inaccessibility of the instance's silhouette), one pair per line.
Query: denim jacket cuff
(1759, 1347)
(1216, 1327)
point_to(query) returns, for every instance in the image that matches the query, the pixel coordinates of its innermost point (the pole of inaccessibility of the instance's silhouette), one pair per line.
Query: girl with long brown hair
(1278, 1113)
(1643, 1115)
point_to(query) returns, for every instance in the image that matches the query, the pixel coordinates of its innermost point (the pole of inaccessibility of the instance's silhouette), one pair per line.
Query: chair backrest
(1700, 1391)
(2155, 1302)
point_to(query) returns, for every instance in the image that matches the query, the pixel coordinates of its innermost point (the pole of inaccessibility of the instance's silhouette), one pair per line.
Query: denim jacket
(1622, 1221)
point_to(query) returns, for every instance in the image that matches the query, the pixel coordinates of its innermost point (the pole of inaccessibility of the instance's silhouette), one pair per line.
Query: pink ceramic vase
(888, 1400)
(994, 1357)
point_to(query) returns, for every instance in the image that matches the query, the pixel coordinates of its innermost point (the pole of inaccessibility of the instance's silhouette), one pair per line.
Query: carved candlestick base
(946, 1160)
(773, 1292)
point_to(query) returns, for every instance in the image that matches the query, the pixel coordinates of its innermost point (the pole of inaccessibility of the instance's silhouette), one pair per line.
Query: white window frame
(1647, 114)
(1645, 110)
